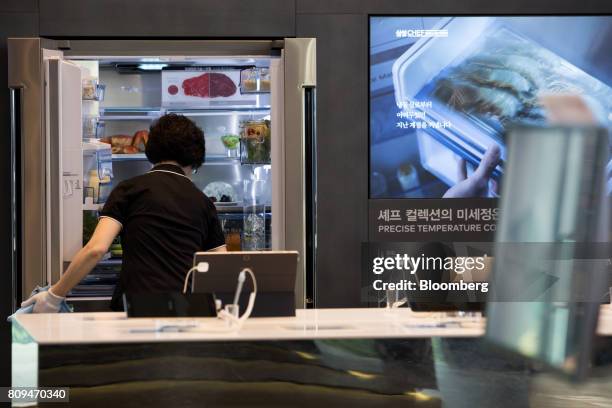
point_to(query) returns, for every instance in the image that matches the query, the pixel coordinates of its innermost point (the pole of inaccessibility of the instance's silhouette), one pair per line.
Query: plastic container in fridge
(93, 90)
(255, 142)
(255, 80)
(93, 127)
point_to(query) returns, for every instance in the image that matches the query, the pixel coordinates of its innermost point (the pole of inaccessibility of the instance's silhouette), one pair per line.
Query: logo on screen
(420, 33)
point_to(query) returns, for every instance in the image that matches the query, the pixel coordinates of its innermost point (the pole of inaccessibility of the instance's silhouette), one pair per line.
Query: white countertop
(83, 328)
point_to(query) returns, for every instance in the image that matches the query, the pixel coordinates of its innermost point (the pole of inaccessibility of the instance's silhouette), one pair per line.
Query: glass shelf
(152, 113)
(220, 108)
(76, 298)
(222, 208)
(220, 112)
(235, 209)
(211, 160)
(130, 109)
(110, 262)
(135, 113)
(128, 117)
(129, 157)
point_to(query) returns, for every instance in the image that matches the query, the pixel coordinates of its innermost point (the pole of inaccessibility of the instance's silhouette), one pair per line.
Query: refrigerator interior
(125, 95)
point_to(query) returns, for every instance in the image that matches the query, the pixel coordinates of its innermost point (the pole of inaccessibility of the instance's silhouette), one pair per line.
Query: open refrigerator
(80, 115)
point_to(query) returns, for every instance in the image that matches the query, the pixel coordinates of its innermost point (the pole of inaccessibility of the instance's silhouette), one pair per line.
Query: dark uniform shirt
(165, 218)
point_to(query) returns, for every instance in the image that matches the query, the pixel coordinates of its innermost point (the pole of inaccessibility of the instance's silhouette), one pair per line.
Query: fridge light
(152, 67)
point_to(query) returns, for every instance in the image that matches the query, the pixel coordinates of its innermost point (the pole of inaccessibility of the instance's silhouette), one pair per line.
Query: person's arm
(49, 301)
(88, 257)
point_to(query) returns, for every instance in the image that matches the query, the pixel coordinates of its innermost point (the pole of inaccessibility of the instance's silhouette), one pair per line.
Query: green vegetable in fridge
(230, 141)
(116, 250)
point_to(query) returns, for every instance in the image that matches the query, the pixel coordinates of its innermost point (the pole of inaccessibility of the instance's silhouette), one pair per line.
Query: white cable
(235, 323)
(200, 267)
(238, 322)
(241, 278)
(250, 272)
(252, 296)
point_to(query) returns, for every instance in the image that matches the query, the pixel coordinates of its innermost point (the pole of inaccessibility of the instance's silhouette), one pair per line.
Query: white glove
(44, 302)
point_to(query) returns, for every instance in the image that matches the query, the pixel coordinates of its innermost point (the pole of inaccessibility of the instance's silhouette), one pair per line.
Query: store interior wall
(341, 27)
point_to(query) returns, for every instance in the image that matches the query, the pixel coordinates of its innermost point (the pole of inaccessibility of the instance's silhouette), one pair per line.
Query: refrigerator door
(26, 81)
(299, 185)
(65, 163)
(45, 102)
(277, 153)
(15, 116)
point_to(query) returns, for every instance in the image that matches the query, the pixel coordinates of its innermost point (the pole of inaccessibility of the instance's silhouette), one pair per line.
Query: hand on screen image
(476, 184)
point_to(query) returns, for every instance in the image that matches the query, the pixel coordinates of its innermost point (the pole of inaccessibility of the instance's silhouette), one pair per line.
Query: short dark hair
(176, 138)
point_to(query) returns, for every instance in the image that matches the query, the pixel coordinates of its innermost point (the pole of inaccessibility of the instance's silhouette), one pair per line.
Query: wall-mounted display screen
(444, 89)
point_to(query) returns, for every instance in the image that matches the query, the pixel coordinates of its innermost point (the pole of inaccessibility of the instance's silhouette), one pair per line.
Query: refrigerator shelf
(128, 117)
(126, 157)
(110, 262)
(150, 113)
(219, 112)
(215, 159)
(76, 298)
(130, 110)
(231, 207)
(130, 113)
(212, 160)
(236, 209)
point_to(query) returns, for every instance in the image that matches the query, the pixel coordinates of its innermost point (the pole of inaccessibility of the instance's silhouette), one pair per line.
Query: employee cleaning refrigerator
(162, 217)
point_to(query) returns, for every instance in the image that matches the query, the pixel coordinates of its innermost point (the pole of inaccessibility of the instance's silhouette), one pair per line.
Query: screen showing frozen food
(443, 90)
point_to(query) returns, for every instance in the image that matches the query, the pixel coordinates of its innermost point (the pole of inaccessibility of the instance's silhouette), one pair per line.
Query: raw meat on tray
(209, 85)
